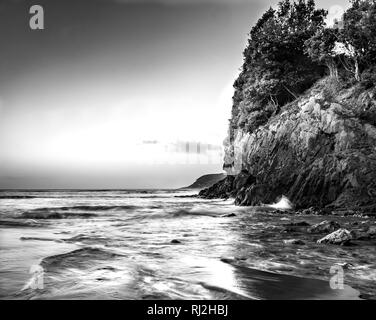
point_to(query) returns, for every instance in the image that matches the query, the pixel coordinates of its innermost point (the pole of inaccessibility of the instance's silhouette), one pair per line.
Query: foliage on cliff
(288, 50)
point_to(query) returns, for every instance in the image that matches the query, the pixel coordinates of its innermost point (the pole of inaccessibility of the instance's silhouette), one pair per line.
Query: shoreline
(213, 248)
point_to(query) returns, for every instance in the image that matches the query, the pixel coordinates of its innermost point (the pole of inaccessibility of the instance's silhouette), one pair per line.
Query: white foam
(284, 203)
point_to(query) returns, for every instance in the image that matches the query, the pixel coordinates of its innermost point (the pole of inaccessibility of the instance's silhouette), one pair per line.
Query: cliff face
(319, 150)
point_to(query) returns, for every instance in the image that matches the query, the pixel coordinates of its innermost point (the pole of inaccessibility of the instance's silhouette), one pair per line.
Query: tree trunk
(333, 70)
(357, 73)
(290, 92)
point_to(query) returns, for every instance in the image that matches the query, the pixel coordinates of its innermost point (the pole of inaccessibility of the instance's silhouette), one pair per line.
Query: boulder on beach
(341, 237)
(324, 227)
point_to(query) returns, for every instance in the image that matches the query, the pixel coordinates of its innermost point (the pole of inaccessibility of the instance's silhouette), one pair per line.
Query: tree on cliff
(288, 49)
(276, 67)
(352, 46)
(359, 36)
(321, 48)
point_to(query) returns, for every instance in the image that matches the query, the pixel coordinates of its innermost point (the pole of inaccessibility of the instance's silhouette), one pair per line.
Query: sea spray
(283, 204)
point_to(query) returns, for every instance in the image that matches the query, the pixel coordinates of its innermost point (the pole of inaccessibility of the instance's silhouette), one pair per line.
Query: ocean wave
(18, 223)
(58, 265)
(193, 212)
(39, 239)
(55, 215)
(17, 197)
(159, 213)
(79, 258)
(87, 238)
(87, 208)
(69, 212)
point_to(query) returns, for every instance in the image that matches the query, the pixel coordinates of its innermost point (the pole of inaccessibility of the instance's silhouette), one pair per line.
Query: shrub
(369, 78)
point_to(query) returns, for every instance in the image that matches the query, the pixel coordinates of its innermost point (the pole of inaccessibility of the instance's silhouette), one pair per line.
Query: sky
(119, 93)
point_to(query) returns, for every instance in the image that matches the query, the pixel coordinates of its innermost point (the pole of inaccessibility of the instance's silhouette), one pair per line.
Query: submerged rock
(310, 210)
(372, 231)
(295, 226)
(324, 227)
(228, 215)
(39, 239)
(341, 237)
(315, 211)
(364, 234)
(298, 224)
(346, 265)
(289, 230)
(175, 241)
(278, 211)
(228, 260)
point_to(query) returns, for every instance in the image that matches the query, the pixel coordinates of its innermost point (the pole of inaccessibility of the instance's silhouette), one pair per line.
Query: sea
(165, 244)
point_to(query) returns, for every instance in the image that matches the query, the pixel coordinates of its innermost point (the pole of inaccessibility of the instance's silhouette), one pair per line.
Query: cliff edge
(319, 150)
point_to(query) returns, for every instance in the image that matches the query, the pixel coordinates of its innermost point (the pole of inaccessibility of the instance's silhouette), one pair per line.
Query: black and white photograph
(188, 150)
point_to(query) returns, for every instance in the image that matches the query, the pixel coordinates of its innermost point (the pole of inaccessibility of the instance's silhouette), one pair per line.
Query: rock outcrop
(341, 237)
(324, 226)
(319, 150)
(206, 181)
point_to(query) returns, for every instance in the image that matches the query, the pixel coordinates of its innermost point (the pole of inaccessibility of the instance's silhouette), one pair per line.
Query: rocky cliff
(319, 150)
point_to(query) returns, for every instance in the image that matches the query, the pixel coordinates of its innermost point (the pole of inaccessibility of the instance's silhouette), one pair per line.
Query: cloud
(334, 13)
(150, 142)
